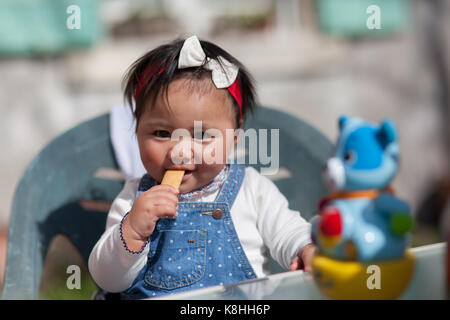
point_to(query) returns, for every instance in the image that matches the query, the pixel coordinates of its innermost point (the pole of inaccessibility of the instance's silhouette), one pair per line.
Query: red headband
(234, 89)
(150, 71)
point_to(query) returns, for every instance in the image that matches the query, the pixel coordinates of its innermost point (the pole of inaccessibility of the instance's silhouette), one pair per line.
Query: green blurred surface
(39, 27)
(56, 274)
(57, 290)
(349, 17)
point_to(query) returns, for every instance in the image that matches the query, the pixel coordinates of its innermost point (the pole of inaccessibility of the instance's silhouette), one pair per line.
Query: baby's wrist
(132, 241)
(308, 246)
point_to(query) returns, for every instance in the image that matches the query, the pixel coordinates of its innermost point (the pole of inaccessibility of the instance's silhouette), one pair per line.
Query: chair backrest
(303, 152)
(47, 199)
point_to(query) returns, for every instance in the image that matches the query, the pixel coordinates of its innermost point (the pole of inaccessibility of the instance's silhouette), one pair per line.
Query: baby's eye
(162, 133)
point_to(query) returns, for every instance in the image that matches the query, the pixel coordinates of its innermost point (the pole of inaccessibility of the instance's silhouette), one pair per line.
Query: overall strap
(232, 184)
(146, 183)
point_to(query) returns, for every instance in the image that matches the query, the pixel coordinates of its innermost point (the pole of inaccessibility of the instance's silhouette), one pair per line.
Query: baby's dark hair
(160, 67)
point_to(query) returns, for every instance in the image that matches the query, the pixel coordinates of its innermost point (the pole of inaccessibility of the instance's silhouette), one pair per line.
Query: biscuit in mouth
(173, 178)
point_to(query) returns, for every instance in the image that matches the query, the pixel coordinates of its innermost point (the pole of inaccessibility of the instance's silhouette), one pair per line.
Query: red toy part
(331, 222)
(322, 203)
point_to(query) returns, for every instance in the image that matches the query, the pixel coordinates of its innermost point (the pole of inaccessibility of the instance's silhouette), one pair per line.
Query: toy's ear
(387, 132)
(342, 121)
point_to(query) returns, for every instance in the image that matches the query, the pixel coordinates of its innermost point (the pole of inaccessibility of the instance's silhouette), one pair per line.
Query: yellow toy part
(328, 241)
(377, 280)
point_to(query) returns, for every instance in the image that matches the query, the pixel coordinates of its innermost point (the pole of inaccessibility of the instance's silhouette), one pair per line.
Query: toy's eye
(349, 156)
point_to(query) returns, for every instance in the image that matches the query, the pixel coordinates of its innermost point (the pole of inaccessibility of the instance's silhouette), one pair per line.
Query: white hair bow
(224, 73)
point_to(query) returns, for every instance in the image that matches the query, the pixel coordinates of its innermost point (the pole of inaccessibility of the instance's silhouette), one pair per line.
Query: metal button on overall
(217, 214)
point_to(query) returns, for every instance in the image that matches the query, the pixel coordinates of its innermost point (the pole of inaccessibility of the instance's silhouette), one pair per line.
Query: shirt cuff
(124, 242)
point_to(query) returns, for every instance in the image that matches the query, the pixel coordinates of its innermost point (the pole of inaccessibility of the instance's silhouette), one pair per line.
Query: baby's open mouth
(187, 174)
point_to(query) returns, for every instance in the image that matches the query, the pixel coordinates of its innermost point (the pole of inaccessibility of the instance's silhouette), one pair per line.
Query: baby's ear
(238, 133)
(387, 132)
(239, 129)
(240, 124)
(342, 121)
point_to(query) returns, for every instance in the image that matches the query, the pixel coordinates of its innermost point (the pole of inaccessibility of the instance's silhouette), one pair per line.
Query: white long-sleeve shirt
(260, 214)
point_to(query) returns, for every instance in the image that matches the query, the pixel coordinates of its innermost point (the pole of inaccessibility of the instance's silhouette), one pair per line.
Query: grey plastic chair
(47, 199)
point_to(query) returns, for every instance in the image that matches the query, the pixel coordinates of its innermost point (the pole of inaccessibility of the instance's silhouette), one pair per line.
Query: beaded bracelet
(123, 240)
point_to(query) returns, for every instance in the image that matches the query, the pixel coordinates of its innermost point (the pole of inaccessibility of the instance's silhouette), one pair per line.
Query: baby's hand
(303, 259)
(153, 204)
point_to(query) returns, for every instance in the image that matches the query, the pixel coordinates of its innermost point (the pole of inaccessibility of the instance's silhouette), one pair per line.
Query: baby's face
(166, 133)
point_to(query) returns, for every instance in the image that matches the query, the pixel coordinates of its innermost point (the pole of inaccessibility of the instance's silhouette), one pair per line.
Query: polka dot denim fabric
(197, 249)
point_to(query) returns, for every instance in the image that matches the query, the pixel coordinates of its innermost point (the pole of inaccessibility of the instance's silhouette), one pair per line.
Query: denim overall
(197, 249)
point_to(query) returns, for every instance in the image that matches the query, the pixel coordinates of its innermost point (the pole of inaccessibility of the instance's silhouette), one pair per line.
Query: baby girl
(225, 219)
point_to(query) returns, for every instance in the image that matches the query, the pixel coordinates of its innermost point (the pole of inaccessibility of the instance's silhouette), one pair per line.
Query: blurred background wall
(313, 59)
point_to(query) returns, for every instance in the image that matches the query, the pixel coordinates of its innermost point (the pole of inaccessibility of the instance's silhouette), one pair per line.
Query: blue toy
(362, 220)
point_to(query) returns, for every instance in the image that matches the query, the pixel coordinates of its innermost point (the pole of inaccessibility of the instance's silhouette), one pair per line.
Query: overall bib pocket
(177, 260)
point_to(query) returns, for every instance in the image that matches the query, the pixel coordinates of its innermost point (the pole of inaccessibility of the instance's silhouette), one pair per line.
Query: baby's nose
(182, 152)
